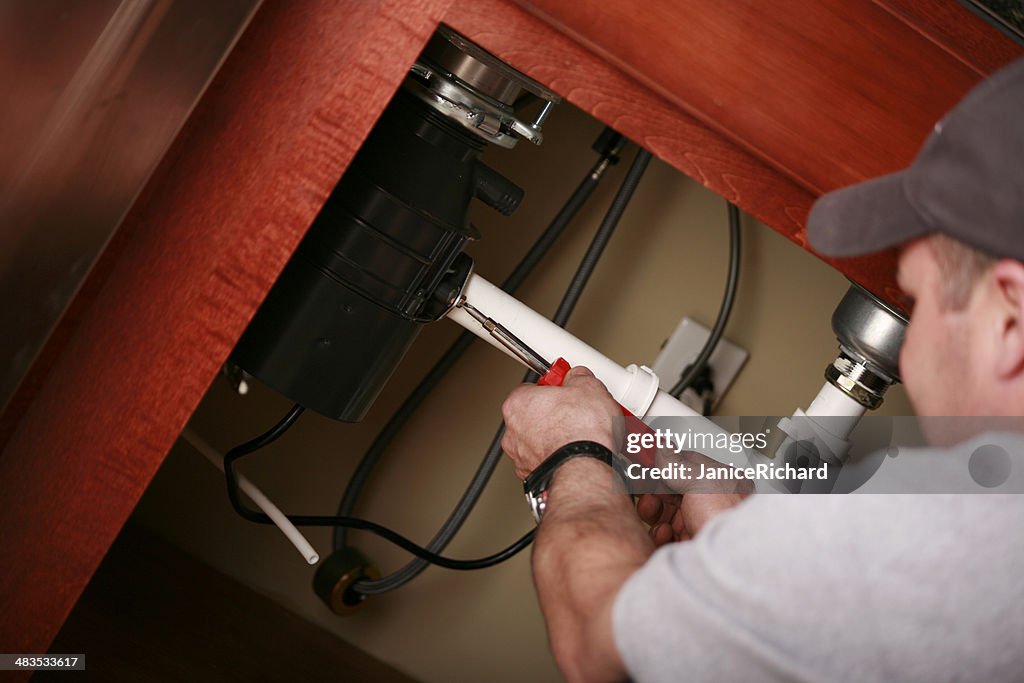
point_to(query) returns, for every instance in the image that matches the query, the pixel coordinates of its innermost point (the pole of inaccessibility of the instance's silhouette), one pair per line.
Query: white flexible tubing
(552, 342)
(256, 496)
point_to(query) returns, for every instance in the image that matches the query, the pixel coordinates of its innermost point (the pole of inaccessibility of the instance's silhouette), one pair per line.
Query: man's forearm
(589, 543)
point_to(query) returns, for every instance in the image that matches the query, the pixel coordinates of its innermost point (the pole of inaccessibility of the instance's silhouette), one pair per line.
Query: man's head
(963, 353)
(958, 215)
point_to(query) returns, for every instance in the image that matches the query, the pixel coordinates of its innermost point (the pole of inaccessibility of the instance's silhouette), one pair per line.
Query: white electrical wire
(256, 496)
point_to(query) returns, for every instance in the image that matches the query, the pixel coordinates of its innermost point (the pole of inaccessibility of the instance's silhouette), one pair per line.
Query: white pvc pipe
(256, 496)
(833, 416)
(552, 342)
(841, 411)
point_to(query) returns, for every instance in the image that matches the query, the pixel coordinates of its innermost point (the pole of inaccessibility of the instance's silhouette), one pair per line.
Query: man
(858, 588)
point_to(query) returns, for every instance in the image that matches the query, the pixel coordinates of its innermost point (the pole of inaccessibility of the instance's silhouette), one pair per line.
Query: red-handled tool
(555, 374)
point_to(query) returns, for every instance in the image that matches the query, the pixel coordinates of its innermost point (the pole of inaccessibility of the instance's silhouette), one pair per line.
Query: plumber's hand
(674, 517)
(540, 420)
(686, 506)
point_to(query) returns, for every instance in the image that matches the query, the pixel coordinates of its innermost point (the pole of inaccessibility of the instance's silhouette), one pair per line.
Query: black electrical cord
(280, 428)
(698, 365)
(493, 456)
(601, 237)
(572, 295)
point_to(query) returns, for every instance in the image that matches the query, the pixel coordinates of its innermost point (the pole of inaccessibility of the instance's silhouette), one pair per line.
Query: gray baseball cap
(967, 182)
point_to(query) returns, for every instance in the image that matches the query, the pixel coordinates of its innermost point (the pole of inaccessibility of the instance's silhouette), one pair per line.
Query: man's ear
(1007, 279)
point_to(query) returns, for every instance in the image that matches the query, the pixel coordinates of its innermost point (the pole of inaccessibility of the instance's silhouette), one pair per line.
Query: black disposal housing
(358, 289)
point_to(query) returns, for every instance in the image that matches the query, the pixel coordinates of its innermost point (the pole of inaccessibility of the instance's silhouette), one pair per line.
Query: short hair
(961, 266)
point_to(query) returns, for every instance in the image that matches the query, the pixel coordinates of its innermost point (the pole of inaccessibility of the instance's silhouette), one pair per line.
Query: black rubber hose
(514, 280)
(447, 532)
(729, 297)
(601, 237)
(493, 456)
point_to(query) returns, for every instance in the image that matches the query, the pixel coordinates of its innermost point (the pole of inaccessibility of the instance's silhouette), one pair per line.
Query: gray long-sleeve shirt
(897, 587)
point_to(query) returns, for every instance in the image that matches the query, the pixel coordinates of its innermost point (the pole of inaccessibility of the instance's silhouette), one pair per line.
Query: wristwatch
(536, 484)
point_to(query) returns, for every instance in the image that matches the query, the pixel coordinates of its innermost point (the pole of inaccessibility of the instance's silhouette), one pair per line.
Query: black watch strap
(536, 484)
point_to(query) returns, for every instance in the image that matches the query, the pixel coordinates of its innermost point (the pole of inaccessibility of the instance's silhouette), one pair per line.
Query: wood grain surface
(830, 93)
(953, 27)
(196, 255)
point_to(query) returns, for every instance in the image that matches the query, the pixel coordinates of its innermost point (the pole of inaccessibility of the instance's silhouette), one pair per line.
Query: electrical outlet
(682, 348)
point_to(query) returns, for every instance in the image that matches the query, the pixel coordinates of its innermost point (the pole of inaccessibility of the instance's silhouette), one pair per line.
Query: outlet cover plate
(682, 348)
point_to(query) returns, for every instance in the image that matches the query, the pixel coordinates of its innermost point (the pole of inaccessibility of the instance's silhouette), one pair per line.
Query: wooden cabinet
(767, 104)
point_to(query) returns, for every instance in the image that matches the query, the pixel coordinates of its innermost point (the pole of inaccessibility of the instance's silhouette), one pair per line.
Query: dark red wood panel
(954, 28)
(187, 270)
(829, 92)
